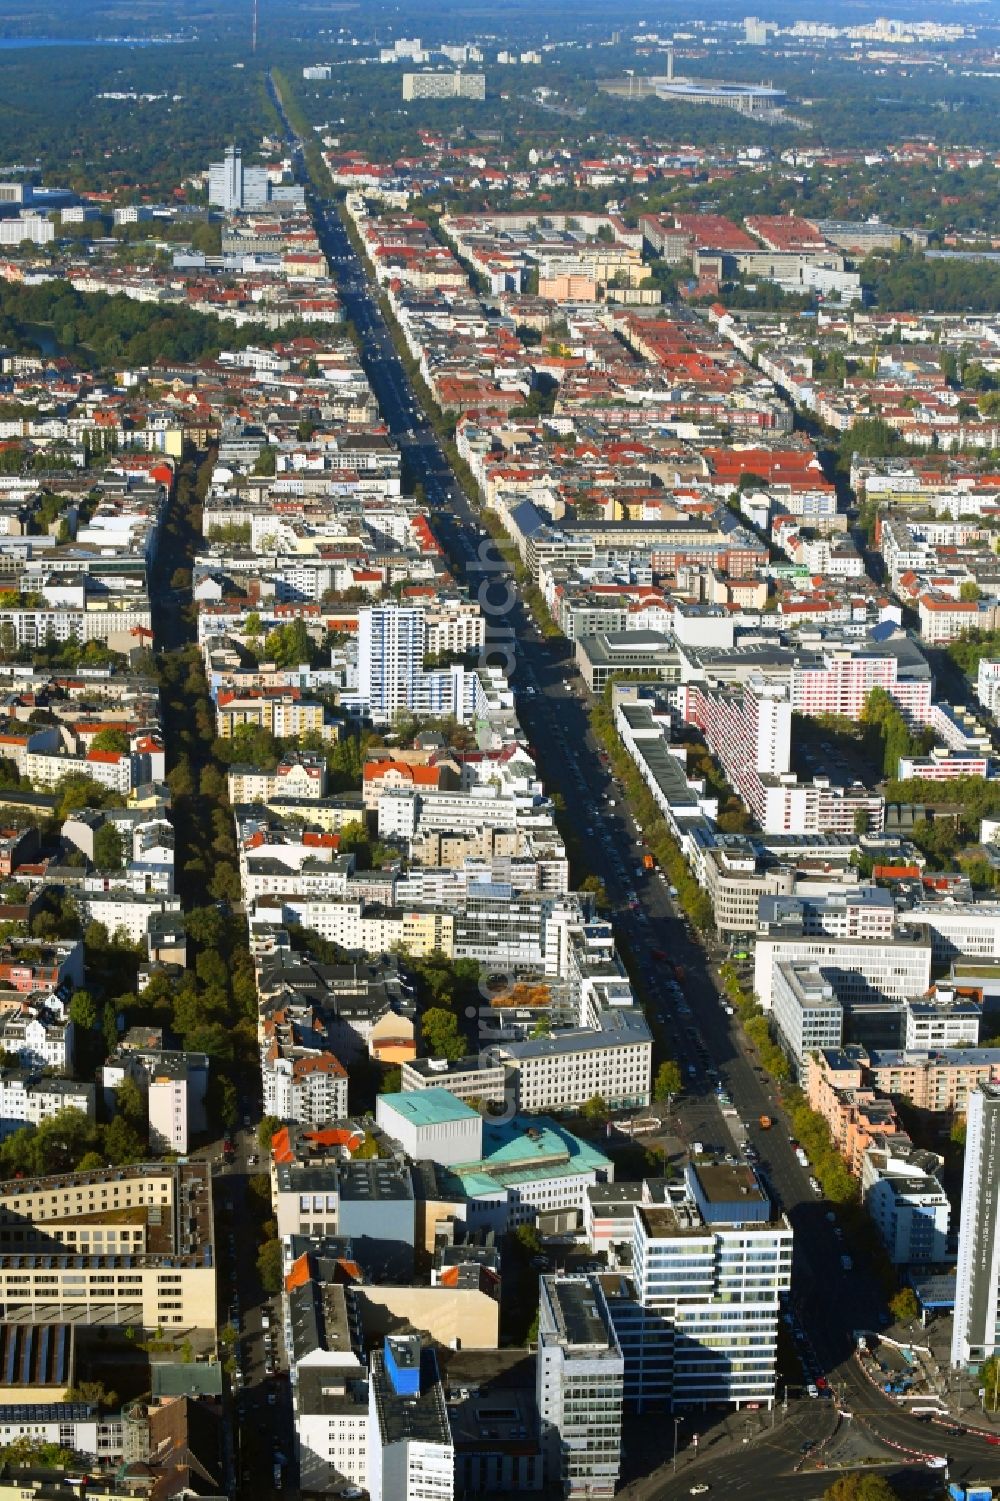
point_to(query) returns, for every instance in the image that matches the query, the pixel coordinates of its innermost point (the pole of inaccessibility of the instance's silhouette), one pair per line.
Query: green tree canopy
(667, 1081)
(108, 851)
(110, 740)
(440, 1033)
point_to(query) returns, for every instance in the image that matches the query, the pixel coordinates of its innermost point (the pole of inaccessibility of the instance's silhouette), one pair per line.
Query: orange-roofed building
(385, 775)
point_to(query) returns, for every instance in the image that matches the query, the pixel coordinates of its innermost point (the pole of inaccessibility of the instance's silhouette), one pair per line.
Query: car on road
(812, 1390)
(700, 1488)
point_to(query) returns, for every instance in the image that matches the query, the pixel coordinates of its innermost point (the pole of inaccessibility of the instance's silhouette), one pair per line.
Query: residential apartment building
(749, 731)
(839, 679)
(444, 86)
(124, 911)
(28, 1097)
(944, 618)
(940, 1080)
(138, 1247)
(299, 775)
(305, 1085)
(360, 928)
(904, 1197)
(580, 1379)
(175, 1086)
(393, 642)
(39, 1032)
(977, 1291)
(856, 1113)
(988, 684)
(328, 1381)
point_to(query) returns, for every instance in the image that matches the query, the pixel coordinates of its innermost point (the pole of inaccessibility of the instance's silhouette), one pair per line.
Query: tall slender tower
(253, 31)
(976, 1330)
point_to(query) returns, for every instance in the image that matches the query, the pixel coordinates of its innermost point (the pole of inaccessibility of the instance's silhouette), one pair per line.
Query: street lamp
(677, 1424)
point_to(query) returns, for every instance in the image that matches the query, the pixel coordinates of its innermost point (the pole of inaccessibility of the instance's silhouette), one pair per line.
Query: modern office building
(567, 1068)
(697, 1316)
(806, 1012)
(411, 1456)
(234, 187)
(977, 1290)
(860, 969)
(580, 1385)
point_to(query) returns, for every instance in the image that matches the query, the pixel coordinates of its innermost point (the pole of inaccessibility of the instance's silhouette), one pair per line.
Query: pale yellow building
(120, 1246)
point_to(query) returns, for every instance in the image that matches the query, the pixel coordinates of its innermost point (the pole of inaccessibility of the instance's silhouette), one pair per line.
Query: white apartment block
(124, 911)
(392, 678)
(39, 1032)
(28, 1098)
(988, 684)
(748, 729)
(47, 769)
(354, 926)
(943, 619)
(580, 1381)
(841, 680)
(310, 1088)
(174, 1085)
(905, 1199)
(33, 627)
(444, 86)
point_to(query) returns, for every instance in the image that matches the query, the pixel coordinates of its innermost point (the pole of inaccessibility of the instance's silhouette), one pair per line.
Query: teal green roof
(429, 1107)
(524, 1150)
